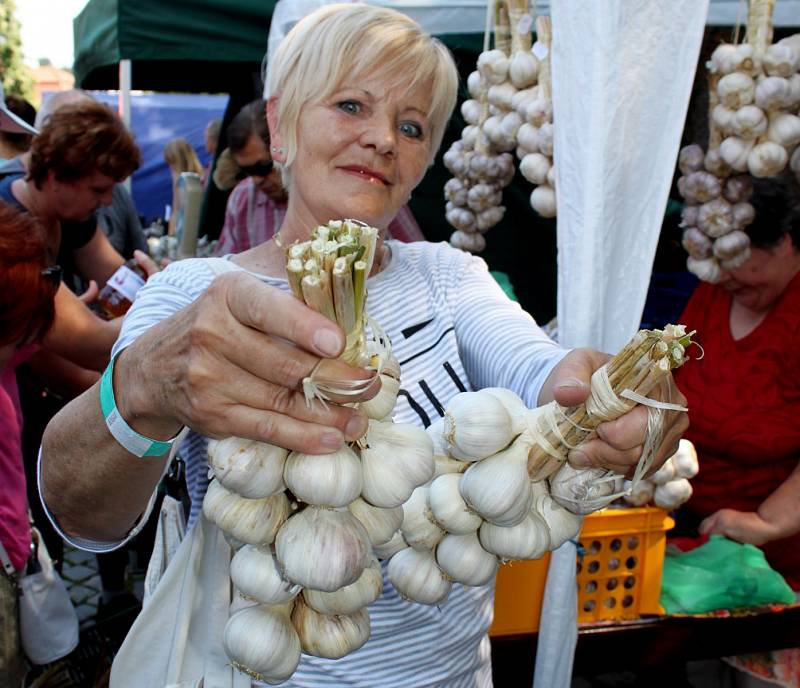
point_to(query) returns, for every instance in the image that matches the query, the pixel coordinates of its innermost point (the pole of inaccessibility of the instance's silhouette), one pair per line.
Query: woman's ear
(276, 148)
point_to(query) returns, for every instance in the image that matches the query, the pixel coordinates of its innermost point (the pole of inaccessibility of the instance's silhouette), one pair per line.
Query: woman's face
(758, 283)
(360, 153)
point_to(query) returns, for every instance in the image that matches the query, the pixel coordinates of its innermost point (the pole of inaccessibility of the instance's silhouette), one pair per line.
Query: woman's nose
(380, 133)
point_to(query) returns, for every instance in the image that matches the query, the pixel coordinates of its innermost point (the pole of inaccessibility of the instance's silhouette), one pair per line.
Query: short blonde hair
(179, 154)
(341, 40)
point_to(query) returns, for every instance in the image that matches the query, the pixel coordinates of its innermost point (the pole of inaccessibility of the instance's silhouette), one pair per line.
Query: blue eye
(411, 129)
(350, 106)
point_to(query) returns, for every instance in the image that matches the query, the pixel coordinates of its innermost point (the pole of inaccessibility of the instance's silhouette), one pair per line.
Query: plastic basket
(620, 558)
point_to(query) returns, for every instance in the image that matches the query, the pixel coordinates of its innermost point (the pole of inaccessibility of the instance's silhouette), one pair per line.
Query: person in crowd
(28, 283)
(744, 396)
(181, 157)
(257, 205)
(354, 125)
(17, 116)
(211, 140)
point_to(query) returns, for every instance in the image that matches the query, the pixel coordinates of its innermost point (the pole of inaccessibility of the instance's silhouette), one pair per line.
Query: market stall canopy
(191, 45)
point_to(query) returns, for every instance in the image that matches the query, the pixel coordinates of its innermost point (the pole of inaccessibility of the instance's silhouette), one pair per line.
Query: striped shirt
(452, 329)
(252, 217)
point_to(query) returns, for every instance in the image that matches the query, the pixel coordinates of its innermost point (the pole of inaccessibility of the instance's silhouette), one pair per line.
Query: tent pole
(124, 103)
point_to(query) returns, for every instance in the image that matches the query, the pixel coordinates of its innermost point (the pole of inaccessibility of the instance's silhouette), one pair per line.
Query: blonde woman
(181, 157)
(354, 122)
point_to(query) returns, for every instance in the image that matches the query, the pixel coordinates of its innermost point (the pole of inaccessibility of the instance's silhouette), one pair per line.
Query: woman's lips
(367, 174)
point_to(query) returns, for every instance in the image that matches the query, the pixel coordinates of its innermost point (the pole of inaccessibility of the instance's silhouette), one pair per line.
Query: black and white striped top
(452, 329)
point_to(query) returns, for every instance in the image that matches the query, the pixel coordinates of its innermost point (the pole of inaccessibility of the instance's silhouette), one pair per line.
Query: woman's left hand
(742, 526)
(619, 443)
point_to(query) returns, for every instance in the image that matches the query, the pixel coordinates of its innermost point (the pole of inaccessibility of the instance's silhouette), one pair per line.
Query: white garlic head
(716, 164)
(488, 218)
(326, 636)
(767, 159)
(784, 129)
(351, 598)
(735, 151)
(477, 425)
(715, 217)
(640, 494)
(248, 468)
(523, 69)
(534, 168)
(664, 474)
(731, 245)
(539, 112)
(514, 405)
(500, 95)
(738, 188)
(743, 215)
(749, 122)
(471, 111)
(736, 90)
(493, 66)
(419, 528)
(255, 573)
(781, 60)
(672, 494)
(381, 524)
(448, 507)
(463, 559)
(474, 84)
(772, 93)
(691, 159)
(524, 541)
(685, 460)
(696, 243)
(252, 521)
(562, 524)
(701, 186)
(543, 200)
(468, 241)
(416, 576)
(707, 269)
(462, 219)
(324, 479)
(383, 403)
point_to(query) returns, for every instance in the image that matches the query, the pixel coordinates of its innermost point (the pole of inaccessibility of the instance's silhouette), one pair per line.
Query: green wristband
(132, 441)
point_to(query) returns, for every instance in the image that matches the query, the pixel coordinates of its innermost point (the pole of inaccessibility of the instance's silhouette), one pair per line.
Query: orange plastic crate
(618, 574)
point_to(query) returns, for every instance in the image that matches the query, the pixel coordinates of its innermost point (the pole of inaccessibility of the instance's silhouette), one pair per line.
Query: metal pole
(124, 100)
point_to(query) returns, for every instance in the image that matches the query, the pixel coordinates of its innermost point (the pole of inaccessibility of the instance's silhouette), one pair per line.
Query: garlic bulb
(743, 215)
(498, 488)
(749, 122)
(462, 219)
(379, 523)
(471, 111)
(324, 479)
(521, 99)
(792, 99)
(255, 573)
(738, 189)
(253, 521)
(456, 192)
(514, 405)
(551, 176)
(482, 196)
(640, 494)
(448, 506)
(584, 491)
(493, 66)
(716, 164)
(351, 598)
(523, 69)
(562, 524)
(700, 187)
(707, 269)
(468, 241)
(691, 159)
(772, 93)
(723, 59)
(463, 559)
(546, 139)
(324, 549)
(715, 217)
(528, 136)
(723, 117)
(731, 245)
(696, 244)
(326, 636)
(474, 84)
(419, 528)
(543, 200)
(534, 168)
(511, 123)
(436, 432)
(784, 129)
(685, 460)
(734, 151)
(262, 643)
(735, 261)
(672, 494)
(767, 159)
(664, 474)
(389, 549)
(736, 90)
(396, 459)
(248, 468)
(688, 216)
(490, 217)
(539, 112)
(527, 540)
(781, 60)
(416, 576)
(476, 425)
(500, 95)
(382, 404)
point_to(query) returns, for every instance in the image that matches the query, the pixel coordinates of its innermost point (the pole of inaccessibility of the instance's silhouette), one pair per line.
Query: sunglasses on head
(259, 169)
(52, 274)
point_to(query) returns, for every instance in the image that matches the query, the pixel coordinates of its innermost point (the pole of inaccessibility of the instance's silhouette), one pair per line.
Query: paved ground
(83, 582)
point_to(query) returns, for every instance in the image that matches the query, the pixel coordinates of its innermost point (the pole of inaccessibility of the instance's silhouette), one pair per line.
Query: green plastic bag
(721, 574)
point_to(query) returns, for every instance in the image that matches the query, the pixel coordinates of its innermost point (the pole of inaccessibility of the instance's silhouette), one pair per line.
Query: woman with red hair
(28, 284)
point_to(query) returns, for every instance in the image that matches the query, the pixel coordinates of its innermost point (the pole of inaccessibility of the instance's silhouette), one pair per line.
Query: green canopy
(186, 45)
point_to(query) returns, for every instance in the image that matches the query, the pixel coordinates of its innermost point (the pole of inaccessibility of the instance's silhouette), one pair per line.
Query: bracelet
(132, 441)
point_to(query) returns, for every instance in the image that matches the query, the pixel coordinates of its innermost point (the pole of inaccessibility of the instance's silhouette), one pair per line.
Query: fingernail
(570, 383)
(356, 427)
(331, 441)
(578, 459)
(327, 342)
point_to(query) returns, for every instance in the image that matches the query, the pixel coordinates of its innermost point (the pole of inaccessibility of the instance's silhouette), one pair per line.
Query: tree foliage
(15, 75)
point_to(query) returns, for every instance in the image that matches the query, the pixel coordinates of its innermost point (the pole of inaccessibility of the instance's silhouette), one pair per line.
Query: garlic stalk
(324, 549)
(326, 636)
(248, 468)
(324, 479)
(253, 521)
(416, 576)
(351, 598)
(463, 559)
(256, 574)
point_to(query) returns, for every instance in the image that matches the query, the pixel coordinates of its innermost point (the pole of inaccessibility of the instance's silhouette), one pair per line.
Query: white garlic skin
(471, 111)
(493, 66)
(468, 241)
(784, 129)
(738, 189)
(715, 217)
(664, 474)
(735, 151)
(772, 93)
(562, 524)
(723, 118)
(498, 488)
(331, 637)
(691, 159)
(380, 524)
(324, 549)
(463, 559)
(534, 168)
(448, 506)
(640, 494)
(716, 164)
(524, 541)
(523, 69)
(474, 84)
(324, 479)
(767, 159)
(416, 576)
(696, 243)
(543, 200)
(672, 494)
(736, 90)
(582, 491)
(248, 468)
(255, 573)
(781, 60)
(750, 122)
(743, 215)
(736, 261)
(252, 521)
(685, 460)
(383, 403)
(528, 136)
(389, 549)
(477, 425)
(445, 465)
(398, 457)
(351, 598)
(707, 269)
(262, 642)
(731, 245)
(419, 528)
(514, 405)
(490, 217)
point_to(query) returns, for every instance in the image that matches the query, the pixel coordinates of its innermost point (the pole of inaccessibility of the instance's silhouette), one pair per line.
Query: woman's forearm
(782, 508)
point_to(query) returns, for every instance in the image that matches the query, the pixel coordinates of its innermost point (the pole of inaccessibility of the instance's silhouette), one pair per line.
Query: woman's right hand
(232, 364)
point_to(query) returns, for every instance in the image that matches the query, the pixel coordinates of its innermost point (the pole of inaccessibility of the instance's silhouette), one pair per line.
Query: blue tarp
(156, 118)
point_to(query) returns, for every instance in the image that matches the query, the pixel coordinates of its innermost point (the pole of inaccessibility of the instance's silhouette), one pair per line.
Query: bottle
(120, 291)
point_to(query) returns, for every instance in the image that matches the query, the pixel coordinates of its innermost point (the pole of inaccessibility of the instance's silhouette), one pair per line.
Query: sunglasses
(52, 274)
(259, 169)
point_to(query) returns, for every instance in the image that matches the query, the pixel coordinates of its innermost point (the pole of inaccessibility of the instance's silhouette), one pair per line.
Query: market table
(654, 642)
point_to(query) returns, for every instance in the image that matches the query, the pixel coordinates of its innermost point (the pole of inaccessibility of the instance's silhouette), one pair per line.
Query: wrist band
(132, 441)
